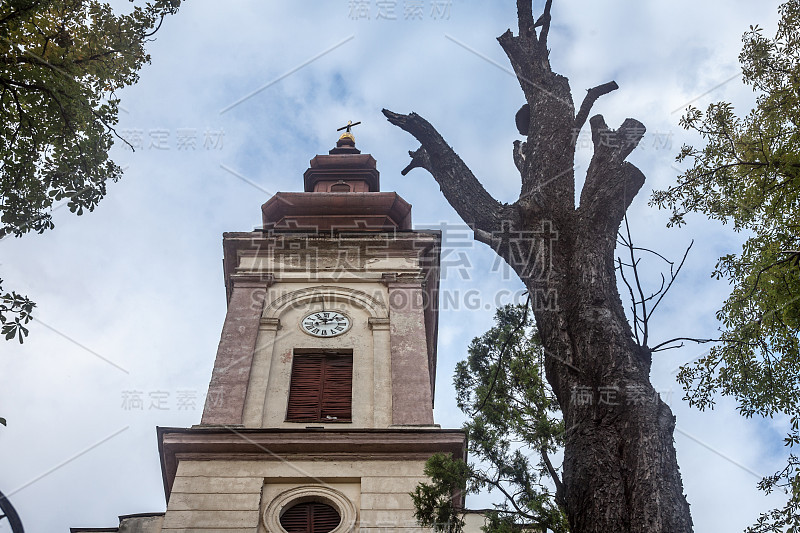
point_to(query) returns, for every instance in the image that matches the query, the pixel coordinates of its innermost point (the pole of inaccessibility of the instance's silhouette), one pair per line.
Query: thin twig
(658, 347)
(672, 277)
(635, 263)
(633, 302)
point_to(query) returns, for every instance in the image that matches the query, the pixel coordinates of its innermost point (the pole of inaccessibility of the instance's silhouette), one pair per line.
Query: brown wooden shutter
(321, 388)
(310, 517)
(324, 518)
(295, 519)
(337, 392)
(305, 390)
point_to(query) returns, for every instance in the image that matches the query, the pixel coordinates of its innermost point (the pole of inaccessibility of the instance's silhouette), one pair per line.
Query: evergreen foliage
(514, 428)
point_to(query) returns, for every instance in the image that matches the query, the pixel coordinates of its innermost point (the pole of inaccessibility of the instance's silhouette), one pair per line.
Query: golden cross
(350, 124)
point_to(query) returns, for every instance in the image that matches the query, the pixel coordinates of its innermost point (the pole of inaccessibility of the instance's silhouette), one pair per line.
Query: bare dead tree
(620, 470)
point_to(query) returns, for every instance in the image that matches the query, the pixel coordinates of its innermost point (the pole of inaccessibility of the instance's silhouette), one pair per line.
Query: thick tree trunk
(620, 471)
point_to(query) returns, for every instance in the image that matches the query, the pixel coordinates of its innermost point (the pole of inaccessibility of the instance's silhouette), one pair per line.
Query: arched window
(340, 187)
(310, 517)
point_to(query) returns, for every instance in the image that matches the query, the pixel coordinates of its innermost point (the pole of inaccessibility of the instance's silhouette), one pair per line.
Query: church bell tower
(319, 414)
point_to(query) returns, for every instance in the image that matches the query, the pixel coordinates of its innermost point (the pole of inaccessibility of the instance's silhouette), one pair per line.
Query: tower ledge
(341, 211)
(357, 170)
(272, 444)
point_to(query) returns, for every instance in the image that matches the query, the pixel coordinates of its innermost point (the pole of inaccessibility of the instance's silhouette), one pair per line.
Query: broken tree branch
(591, 97)
(419, 159)
(529, 55)
(544, 22)
(611, 182)
(458, 184)
(525, 19)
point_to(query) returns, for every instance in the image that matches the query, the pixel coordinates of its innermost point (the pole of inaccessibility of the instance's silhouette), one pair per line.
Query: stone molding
(269, 324)
(324, 211)
(378, 324)
(401, 280)
(328, 294)
(253, 280)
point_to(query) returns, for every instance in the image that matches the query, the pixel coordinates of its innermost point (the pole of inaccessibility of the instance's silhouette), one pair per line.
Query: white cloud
(139, 281)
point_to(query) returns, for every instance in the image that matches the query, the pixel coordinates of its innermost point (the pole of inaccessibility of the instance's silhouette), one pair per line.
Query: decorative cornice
(326, 212)
(327, 293)
(389, 277)
(324, 444)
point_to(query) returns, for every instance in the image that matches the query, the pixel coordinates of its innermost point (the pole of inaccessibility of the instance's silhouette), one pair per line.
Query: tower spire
(347, 142)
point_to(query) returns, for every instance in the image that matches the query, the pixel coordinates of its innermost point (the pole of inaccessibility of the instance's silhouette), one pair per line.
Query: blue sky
(131, 296)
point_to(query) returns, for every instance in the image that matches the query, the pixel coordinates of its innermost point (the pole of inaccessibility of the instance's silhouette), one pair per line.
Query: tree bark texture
(620, 472)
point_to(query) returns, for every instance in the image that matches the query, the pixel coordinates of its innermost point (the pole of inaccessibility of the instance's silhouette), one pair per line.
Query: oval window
(310, 517)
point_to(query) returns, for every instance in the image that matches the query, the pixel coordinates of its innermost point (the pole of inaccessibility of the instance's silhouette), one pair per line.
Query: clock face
(325, 323)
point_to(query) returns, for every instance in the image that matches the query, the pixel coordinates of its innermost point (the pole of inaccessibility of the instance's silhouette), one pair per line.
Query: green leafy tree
(15, 312)
(61, 65)
(514, 428)
(748, 175)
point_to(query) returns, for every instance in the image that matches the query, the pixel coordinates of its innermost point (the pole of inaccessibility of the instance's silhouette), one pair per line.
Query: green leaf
(61, 63)
(748, 175)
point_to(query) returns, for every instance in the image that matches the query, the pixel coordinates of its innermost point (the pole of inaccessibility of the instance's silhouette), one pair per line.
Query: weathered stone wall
(281, 337)
(209, 496)
(377, 281)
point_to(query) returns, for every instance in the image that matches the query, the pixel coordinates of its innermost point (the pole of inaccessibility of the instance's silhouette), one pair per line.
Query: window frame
(329, 382)
(327, 494)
